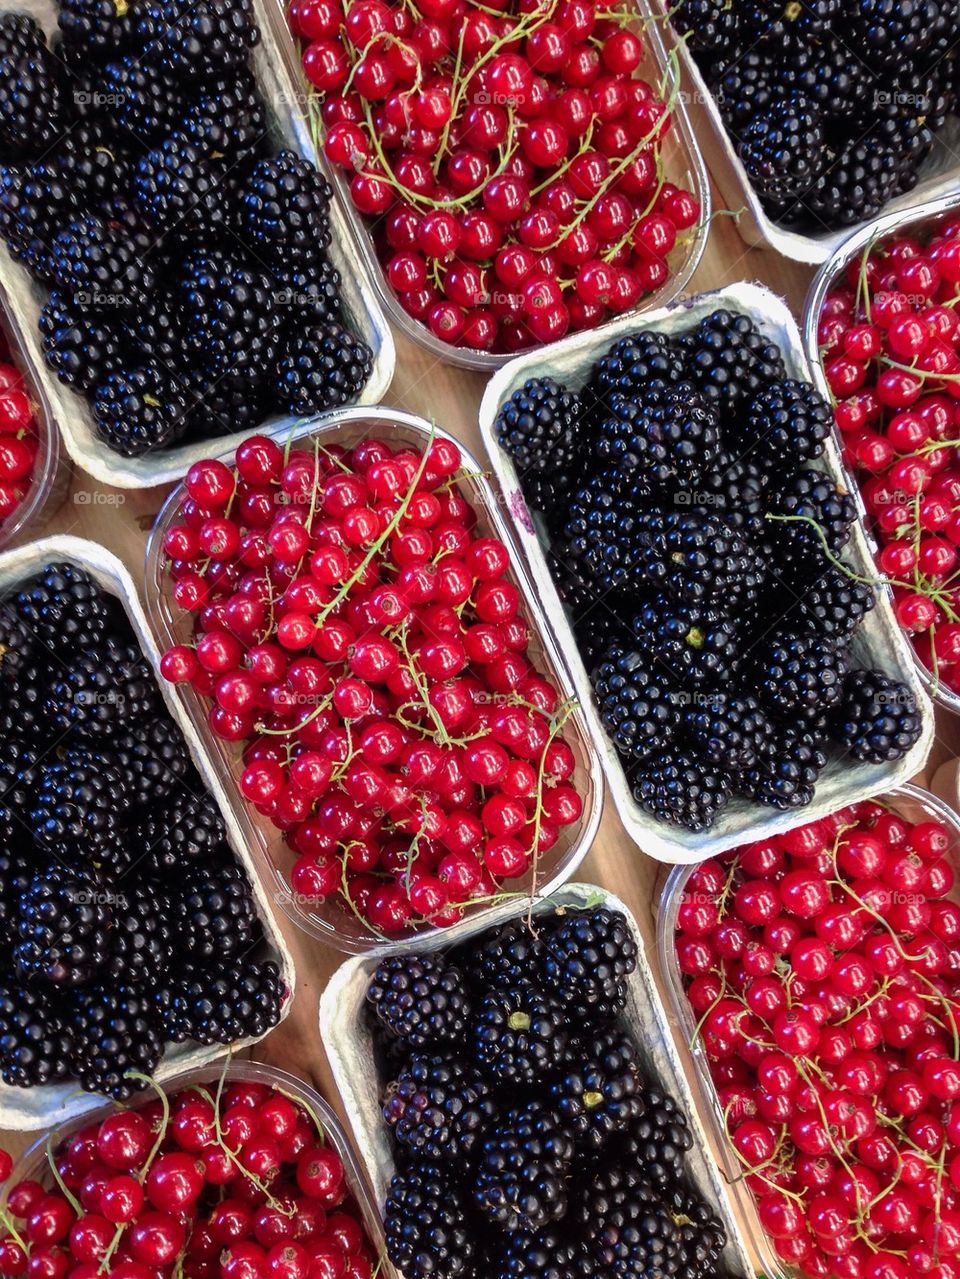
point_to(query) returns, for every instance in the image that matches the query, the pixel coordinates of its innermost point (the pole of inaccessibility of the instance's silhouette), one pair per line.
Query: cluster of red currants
(510, 155)
(367, 644)
(238, 1185)
(823, 968)
(890, 338)
(18, 437)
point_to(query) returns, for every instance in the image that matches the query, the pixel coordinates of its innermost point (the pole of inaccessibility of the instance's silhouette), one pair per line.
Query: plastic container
(347, 1038)
(915, 220)
(879, 641)
(25, 1108)
(33, 1163)
(940, 174)
(51, 472)
(683, 165)
(25, 296)
(911, 803)
(328, 923)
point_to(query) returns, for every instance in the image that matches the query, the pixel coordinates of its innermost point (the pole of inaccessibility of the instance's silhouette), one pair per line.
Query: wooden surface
(121, 520)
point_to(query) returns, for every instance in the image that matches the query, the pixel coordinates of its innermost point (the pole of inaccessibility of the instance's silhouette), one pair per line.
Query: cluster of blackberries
(125, 920)
(832, 105)
(528, 1143)
(696, 550)
(190, 291)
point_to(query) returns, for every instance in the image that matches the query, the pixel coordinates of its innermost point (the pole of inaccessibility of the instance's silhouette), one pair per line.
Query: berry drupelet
(877, 717)
(427, 1228)
(421, 1000)
(523, 1167)
(540, 427)
(519, 1034)
(437, 1109)
(585, 961)
(139, 410)
(680, 788)
(321, 367)
(635, 705)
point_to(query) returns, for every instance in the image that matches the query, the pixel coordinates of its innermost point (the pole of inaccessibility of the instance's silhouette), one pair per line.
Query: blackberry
(35, 201)
(220, 1001)
(523, 1169)
(544, 1255)
(35, 1043)
(198, 39)
(702, 1236)
(799, 678)
(893, 33)
(541, 427)
(833, 605)
(695, 558)
(156, 333)
(730, 732)
(711, 25)
(858, 180)
(143, 935)
(630, 366)
(184, 830)
(672, 437)
(91, 161)
(628, 1228)
(787, 771)
(66, 609)
(80, 806)
(807, 512)
(115, 1031)
(832, 77)
(97, 29)
(229, 320)
(78, 344)
(786, 425)
(657, 1139)
(228, 117)
(216, 912)
(779, 20)
(427, 1230)
(285, 211)
(420, 999)
(682, 790)
(600, 534)
(437, 1108)
(782, 149)
(139, 410)
(504, 956)
(21, 706)
(745, 89)
(322, 367)
(733, 488)
(102, 690)
(15, 869)
(599, 630)
(16, 643)
(313, 294)
(154, 758)
(19, 774)
(585, 960)
(88, 259)
(696, 647)
(635, 705)
(32, 102)
(597, 1092)
(182, 190)
(63, 923)
(519, 1034)
(145, 99)
(223, 405)
(731, 359)
(877, 719)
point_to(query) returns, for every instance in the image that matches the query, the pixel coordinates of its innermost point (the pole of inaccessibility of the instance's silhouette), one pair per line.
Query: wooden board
(122, 520)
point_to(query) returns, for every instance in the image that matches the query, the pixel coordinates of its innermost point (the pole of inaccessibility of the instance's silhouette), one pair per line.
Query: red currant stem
(413, 850)
(381, 541)
(556, 174)
(527, 23)
(304, 1105)
(455, 79)
(8, 1224)
(308, 522)
(214, 1102)
(331, 457)
(863, 286)
(295, 728)
(825, 546)
(341, 769)
(698, 1028)
(421, 683)
(923, 375)
(648, 208)
(727, 888)
(67, 1194)
(347, 897)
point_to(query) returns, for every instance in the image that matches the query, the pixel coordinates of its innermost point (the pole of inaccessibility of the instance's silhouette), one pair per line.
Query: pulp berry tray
(327, 922)
(284, 102)
(347, 1037)
(683, 165)
(911, 803)
(25, 1108)
(34, 1164)
(879, 641)
(939, 175)
(919, 218)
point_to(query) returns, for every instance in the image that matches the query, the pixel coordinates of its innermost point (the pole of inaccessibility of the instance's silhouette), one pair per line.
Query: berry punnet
(192, 295)
(820, 968)
(119, 889)
(831, 107)
(361, 642)
(697, 546)
(511, 164)
(529, 1141)
(233, 1177)
(889, 341)
(19, 442)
